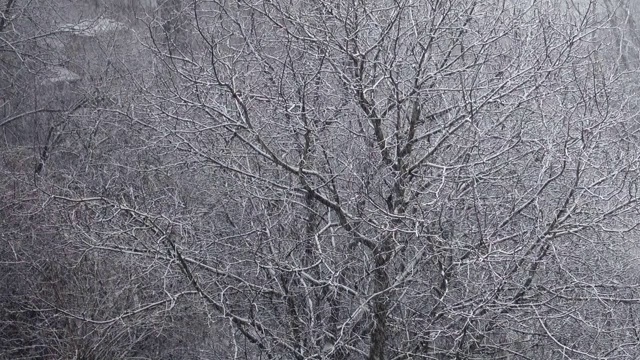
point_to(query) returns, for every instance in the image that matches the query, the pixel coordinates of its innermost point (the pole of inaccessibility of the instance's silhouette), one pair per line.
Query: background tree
(64, 65)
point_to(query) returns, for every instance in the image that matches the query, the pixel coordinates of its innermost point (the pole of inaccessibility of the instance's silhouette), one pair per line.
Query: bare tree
(336, 180)
(400, 179)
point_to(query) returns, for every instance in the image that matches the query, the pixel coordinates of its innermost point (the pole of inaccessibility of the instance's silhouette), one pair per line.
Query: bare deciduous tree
(337, 180)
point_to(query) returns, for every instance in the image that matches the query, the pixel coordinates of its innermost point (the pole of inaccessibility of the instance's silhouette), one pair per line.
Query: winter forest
(319, 179)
